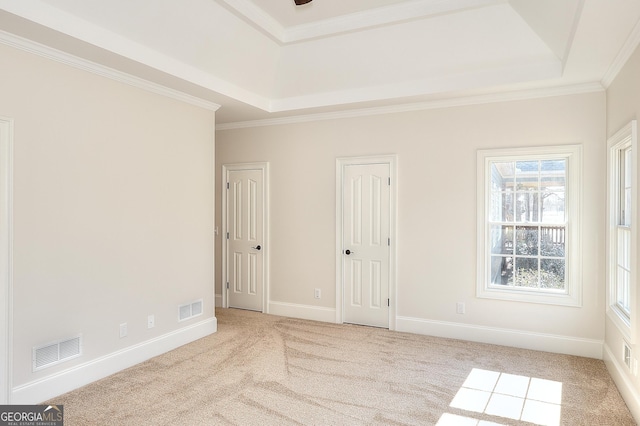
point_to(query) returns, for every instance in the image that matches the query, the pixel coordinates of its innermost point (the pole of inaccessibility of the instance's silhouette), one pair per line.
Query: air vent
(190, 310)
(57, 352)
(626, 354)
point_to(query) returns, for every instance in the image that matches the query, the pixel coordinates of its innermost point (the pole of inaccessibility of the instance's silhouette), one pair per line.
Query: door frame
(341, 164)
(6, 259)
(264, 168)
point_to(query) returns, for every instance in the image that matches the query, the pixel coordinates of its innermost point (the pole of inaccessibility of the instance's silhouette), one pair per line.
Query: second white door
(245, 239)
(366, 233)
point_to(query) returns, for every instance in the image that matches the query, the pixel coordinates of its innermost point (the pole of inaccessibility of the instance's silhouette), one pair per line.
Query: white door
(245, 239)
(366, 233)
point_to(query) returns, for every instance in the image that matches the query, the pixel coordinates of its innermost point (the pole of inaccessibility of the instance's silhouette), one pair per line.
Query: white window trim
(573, 294)
(628, 135)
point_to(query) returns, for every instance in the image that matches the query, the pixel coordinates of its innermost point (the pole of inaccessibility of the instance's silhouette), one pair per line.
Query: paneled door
(245, 238)
(366, 241)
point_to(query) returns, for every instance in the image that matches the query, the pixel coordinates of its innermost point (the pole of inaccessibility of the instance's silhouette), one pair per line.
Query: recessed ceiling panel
(288, 14)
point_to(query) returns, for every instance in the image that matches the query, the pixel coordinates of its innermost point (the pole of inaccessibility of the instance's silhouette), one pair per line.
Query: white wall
(113, 214)
(623, 105)
(436, 214)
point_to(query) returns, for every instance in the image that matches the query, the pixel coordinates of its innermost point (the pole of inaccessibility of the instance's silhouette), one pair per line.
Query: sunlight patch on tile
(541, 413)
(510, 396)
(510, 384)
(481, 380)
(505, 406)
(448, 419)
(471, 400)
(545, 391)
(452, 420)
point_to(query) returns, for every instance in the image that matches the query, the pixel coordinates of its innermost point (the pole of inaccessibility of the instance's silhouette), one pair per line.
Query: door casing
(264, 168)
(341, 164)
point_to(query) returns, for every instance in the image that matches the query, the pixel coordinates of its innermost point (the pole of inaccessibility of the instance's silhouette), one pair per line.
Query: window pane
(527, 240)
(502, 175)
(501, 206)
(552, 272)
(501, 239)
(627, 207)
(526, 272)
(624, 247)
(553, 207)
(552, 175)
(623, 289)
(625, 188)
(502, 270)
(552, 240)
(552, 182)
(527, 173)
(527, 206)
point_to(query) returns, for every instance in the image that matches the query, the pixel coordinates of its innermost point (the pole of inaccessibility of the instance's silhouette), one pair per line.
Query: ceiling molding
(42, 14)
(85, 65)
(388, 15)
(257, 17)
(419, 106)
(623, 56)
(487, 75)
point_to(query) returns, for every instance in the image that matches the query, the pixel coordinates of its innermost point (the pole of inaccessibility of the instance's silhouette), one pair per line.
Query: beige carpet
(267, 370)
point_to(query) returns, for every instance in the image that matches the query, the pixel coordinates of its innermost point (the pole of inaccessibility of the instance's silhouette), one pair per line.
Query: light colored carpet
(266, 370)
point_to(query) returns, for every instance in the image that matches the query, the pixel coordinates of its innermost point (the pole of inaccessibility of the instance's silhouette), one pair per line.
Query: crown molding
(419, 106)
(623, 56)
(387, 15)
(98, 69)
(257, 17)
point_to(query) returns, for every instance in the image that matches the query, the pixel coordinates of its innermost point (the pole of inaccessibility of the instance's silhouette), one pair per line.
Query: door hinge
(227, 286)
(227, 235)
(388, 302)
(389, 241)
(389, 181)
(227, 185)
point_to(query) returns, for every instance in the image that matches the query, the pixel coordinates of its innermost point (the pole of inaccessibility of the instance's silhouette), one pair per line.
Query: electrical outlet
(316, 293)
(460, 307)
(123, 330)
(151, 321)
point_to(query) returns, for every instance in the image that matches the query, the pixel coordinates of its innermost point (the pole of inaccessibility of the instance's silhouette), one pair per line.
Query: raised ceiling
(270, 59)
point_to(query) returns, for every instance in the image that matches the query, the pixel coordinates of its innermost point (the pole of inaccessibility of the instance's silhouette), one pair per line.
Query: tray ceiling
(266, 59)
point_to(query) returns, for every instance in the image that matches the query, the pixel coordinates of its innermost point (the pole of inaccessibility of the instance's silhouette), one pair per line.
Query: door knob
(256, 247)
(347, 252)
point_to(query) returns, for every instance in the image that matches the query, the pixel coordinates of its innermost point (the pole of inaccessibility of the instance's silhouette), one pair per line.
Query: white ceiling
(270, 59)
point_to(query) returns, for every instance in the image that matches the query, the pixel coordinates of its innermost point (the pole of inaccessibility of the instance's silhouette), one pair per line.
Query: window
(621, 232)
(528, 224)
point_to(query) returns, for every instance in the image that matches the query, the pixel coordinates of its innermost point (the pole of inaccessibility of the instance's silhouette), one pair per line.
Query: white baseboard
(501, 336)
(218, 301)
(620, 377)
(308, 312)
(49, 387)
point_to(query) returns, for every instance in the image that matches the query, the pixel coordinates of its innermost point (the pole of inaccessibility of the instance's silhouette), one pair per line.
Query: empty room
(332, 212)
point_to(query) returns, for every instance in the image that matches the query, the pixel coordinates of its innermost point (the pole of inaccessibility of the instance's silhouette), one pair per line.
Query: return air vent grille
(57, 352)
(190, 310)
(626, 354)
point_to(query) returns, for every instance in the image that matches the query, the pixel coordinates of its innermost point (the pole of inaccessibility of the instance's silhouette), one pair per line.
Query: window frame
(624, 139)
(572, 295)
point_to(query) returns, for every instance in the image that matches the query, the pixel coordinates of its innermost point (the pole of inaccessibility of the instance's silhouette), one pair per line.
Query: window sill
(559, 299)
(621, 323)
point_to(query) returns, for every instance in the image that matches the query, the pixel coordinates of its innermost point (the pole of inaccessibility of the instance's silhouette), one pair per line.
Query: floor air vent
(190, 310)
(57, 352)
